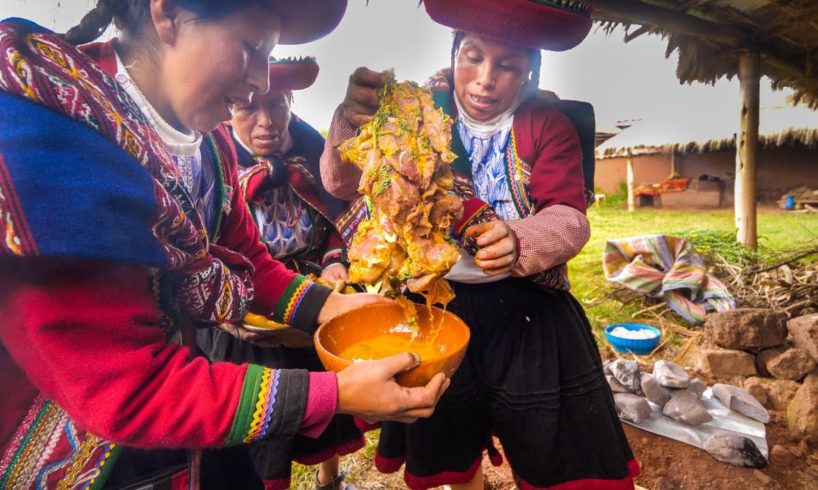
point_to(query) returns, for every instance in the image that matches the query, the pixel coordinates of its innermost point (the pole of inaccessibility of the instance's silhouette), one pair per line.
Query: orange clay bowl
(371, 321)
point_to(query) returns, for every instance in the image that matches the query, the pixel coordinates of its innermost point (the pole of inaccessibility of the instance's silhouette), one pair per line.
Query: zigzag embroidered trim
(295, 301)
(260, 423)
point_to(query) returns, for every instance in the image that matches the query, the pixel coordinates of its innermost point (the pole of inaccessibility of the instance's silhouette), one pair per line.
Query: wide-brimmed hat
(292, 73)
(555, 25)
(303, 21)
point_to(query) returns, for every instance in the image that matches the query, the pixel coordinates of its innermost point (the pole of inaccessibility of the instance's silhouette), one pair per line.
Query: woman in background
(278, 158)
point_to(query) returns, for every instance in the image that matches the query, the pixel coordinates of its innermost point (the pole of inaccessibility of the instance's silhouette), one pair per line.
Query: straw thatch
(710, 34)
(699, 133)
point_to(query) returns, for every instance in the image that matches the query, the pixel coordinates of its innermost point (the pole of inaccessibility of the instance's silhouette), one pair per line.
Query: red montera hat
(292, 73)
(303, 21)
(555, 25)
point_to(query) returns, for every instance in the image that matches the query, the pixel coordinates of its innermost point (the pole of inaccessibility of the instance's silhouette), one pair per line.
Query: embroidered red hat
(555, 25)
(303, 21)
(292, 73)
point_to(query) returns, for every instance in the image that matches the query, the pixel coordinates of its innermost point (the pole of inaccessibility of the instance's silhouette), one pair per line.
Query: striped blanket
(668, 268)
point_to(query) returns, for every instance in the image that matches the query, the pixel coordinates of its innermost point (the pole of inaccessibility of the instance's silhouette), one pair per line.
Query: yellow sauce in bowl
(388, 345)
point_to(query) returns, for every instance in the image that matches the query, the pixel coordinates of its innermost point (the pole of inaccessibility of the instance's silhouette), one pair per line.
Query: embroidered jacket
(296, 194)
(100, 244)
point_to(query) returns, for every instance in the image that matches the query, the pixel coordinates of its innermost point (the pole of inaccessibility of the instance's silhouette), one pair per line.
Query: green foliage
(711, 243)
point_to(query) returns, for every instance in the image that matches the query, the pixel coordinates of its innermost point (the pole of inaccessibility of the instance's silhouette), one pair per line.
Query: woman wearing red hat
(278, 158)
(123, 229)
(532, 375)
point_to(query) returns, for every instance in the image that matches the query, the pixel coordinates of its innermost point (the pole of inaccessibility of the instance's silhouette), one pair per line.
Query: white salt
(624, 333)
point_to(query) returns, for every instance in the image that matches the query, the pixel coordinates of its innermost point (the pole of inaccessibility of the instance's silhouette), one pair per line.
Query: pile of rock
(674, 391)
(679, 398)
(773, 358)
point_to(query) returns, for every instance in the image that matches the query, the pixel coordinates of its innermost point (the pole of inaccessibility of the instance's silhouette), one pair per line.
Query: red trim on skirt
(364, 426)
(282, 484)
(593, 483)
(180, 480)
(321, 456)
(423, 482)
(391, 465)
(388, 465)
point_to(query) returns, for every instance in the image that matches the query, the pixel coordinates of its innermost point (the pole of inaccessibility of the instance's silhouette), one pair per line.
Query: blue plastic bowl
(636, 346)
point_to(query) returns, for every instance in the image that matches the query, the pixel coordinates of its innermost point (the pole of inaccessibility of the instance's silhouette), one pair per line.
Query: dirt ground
(669, 465)
(666, 465)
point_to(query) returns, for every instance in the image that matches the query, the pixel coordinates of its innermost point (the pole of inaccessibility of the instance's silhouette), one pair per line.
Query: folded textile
(668, 268)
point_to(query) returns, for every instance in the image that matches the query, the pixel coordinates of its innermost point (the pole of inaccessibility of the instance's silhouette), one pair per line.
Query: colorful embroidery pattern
(75, 458)
(487, 157)
(15, 237)
(293, 296)
(347, 223)
(264, 407)
(31, 446)
(256, 404)
(518, 173)
(41, 67)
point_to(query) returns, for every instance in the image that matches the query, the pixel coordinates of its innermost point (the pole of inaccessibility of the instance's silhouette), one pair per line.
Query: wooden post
(747, 149)
(629, 182)
(673, 170)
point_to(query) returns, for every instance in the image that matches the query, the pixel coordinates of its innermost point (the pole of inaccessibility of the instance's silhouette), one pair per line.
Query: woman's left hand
(338, 303)
(496, 247)
(334, 273)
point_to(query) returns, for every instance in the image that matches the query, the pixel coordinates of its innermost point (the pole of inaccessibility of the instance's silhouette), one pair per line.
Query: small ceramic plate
(285, 334)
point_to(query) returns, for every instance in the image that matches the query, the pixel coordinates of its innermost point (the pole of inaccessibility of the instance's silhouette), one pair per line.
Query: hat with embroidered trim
(292, 73)
(554, 25)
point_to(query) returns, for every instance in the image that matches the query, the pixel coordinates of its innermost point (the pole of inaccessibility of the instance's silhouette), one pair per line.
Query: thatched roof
(700, 133)
(709, 34)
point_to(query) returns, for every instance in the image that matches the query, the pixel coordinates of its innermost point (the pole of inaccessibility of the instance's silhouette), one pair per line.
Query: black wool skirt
(532, 377)
(267, 463)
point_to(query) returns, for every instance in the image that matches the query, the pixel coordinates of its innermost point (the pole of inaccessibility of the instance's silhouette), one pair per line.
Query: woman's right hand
(362, 101)
(368, 390)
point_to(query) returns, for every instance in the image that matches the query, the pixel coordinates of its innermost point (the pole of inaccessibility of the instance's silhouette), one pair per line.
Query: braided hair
(94, 23)
(131, 16)
(534, 60)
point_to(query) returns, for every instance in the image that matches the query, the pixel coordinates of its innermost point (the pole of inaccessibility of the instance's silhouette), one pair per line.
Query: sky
(632, 81)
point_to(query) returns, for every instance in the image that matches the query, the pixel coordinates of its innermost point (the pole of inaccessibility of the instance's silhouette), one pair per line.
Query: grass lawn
(778, 230)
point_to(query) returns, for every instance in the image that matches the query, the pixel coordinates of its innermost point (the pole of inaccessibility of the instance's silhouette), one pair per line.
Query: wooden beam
(669, 20)
(747, 149)
(789, 69)
(629, 181)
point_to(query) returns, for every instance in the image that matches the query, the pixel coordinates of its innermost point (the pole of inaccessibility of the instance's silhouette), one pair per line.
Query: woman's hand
(368, 390)
(496, 247)
(338, 303)
(334, 273)
(362, 101)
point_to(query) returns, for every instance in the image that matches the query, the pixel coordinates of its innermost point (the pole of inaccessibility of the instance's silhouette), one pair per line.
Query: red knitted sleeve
(86, 334)
(558, 229)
